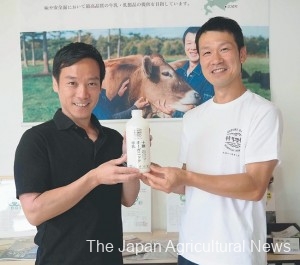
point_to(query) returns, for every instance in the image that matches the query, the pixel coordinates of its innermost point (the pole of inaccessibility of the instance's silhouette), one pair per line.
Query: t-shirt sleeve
(265, 137)
(31, 164)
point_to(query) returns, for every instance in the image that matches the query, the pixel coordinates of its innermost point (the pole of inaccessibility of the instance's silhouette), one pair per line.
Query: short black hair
(193, 30)
(74, 52)
(222, 24)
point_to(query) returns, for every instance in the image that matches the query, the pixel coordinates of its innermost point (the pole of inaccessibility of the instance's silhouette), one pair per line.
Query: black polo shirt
(55, 154)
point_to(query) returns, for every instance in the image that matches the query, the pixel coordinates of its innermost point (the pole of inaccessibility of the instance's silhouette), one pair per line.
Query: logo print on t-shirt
(233, 142)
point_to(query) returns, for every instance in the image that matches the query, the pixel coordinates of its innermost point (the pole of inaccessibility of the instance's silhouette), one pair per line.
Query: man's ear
(243, 54)
(54, 85)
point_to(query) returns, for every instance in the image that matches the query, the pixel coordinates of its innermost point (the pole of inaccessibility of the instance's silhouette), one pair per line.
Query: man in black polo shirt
(67, 170)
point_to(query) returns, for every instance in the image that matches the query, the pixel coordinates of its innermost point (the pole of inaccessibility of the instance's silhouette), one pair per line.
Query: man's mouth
(219, 70)
(82, 105)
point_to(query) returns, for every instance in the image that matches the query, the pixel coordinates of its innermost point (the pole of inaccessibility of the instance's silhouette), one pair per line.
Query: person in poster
(230, 147)
(191, 71)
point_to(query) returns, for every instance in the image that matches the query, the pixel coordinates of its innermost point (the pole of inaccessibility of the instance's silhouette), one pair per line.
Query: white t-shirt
(220, 139)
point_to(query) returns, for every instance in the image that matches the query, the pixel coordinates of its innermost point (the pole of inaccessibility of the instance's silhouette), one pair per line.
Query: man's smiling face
(78, 89)
(220, 58)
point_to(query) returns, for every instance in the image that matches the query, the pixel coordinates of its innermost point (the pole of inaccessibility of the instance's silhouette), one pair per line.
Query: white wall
(285, 80)
(285, 83)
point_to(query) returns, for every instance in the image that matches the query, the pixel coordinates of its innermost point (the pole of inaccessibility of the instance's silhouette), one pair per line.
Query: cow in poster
(150, 77)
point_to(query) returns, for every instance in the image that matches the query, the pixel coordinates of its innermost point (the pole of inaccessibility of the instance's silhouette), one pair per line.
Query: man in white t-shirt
(229, 150)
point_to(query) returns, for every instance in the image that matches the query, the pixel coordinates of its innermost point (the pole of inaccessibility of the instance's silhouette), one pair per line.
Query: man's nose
(82, 91)
(217, 58)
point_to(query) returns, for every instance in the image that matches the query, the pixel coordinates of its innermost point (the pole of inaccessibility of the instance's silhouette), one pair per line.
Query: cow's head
(157, 81)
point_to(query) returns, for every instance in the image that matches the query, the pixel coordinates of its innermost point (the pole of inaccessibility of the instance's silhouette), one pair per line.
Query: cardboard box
(283, 238)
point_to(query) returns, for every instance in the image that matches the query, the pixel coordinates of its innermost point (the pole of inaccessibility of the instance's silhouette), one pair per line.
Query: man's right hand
(112, 172)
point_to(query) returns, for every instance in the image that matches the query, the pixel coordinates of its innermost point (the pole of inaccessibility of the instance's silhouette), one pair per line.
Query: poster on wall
(13, 222)
(271, 206)
(137, 218)
(175, 207)
(143, 44)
